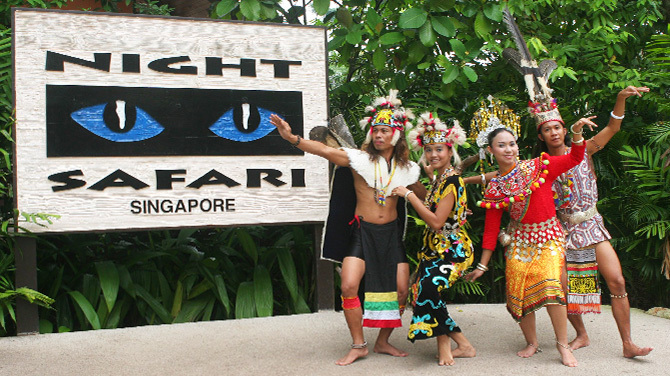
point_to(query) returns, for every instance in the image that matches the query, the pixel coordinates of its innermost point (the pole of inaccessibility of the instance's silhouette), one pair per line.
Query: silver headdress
(489, 118)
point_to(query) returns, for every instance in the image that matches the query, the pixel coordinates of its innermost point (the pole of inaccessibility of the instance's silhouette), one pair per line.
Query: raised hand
(579, 124)
(633, 90)
(282, 126)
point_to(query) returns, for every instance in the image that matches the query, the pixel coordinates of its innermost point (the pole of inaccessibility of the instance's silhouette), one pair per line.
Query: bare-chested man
(376, 249)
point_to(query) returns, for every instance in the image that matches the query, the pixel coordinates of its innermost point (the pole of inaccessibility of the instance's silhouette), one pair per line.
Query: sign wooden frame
(167, 63)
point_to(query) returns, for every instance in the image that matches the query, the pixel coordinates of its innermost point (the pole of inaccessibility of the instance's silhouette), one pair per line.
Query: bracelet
(407, 194)
(617, 117)
(482, 267)
(483, 180)
(572, 129)
(578, 142)
(295, 144)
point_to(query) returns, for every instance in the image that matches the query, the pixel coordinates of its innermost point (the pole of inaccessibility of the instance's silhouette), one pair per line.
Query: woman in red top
(535, 254)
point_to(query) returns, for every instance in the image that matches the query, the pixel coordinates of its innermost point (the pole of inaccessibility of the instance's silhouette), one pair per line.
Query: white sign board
(136, 122)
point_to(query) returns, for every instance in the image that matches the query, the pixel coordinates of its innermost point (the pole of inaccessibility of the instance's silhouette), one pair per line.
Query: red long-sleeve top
(538, 206)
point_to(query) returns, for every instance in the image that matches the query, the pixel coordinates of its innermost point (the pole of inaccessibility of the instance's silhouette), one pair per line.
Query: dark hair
(400, 151)
(496, 132)
(541, 146)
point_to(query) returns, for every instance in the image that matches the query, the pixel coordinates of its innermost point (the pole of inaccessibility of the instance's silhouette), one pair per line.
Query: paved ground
(309, 344)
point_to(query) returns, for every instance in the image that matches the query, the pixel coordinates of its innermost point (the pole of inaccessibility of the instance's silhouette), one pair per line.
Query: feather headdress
(387, 111)
(431, 130)
(541, 106)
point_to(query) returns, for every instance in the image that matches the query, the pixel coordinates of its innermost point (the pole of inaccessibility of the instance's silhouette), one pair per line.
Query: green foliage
(9, 294)
(153, 7)
(118, 280)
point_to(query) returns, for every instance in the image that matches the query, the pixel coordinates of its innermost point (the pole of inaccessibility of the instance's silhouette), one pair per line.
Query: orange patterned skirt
(533, 282)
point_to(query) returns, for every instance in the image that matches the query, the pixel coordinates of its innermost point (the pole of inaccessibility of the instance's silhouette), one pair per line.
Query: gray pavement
(309, 344)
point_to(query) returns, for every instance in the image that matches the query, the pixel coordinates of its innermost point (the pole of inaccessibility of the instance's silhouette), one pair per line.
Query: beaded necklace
(517, 185)
(435, 185)
(380, 193)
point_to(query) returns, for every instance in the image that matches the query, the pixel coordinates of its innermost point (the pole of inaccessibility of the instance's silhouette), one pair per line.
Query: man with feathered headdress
(371, 245)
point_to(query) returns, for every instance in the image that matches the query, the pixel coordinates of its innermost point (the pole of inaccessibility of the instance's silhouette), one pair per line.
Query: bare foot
(630, 350)
(352, 356)
(446, 360)
(464, 352)
(579, 342)
(567, 358)
(444, 356)
(387, 348)
(528, 351)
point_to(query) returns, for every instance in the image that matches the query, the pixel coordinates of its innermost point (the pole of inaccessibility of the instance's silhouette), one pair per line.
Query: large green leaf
(374, 20)
(202, 287)
(321, 6)
(245, 306)
(154, 304)
(225, 6)
(493, 11)
(191, 310)
(412, 18)
(86, 308)
(441, 5)
(90, 288)
(222, 292)
(114, 317)
(470, 73)
(287, 268)
(178, 299)
(248, 244)
(344, 16)
(301, 306)
(443, 26)
(109, 282)
(391, 38)
(459, 48)
(263, 291)
(354, 37)
(379, 59)
(482, 25)
(417, 51)
(427, 35)
(450, 74)
(46, 326)
(251, 9)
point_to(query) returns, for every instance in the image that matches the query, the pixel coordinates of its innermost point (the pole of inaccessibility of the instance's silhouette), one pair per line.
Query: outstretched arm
(336, 156)
(601, 139)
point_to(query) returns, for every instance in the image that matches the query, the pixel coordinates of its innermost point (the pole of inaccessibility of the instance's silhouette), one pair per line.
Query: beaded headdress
(490, 117)
(431, 130)
(387, 111)
(542, 107)
(544, 110)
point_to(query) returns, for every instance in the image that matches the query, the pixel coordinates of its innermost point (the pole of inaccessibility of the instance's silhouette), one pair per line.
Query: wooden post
(325, 282)
(25, 260)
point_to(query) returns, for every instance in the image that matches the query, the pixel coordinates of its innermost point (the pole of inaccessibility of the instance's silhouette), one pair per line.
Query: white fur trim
(396, 137)
(360, 162)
